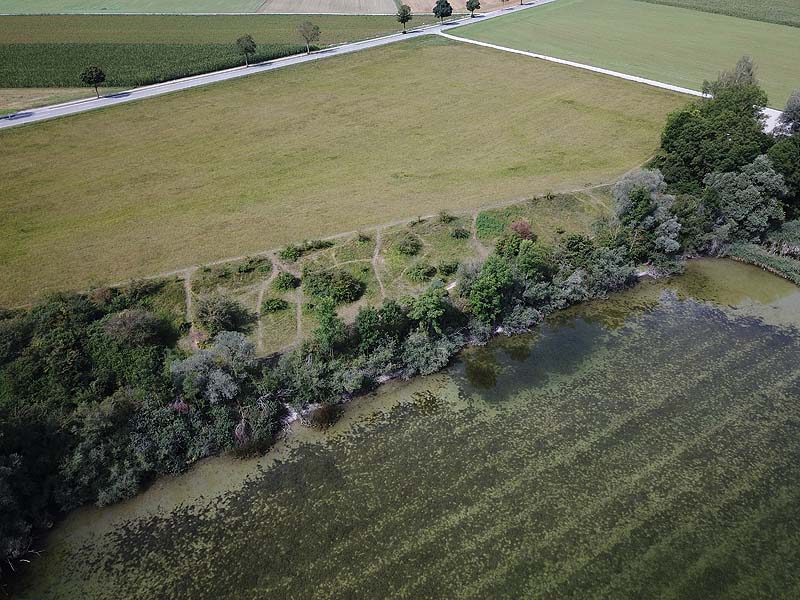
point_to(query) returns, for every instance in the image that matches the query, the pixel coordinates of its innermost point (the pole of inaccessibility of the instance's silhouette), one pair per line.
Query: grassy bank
(305, 152)
(664, 43)
(783, 12)
(784, 266)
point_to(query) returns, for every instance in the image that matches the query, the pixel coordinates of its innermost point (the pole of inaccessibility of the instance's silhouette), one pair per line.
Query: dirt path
(481, 250)
(261, 291)
(376, 261)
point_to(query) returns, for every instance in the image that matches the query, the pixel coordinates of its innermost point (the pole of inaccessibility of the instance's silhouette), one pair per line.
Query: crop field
(673, 45)
(784, 12)
(127, 6)
(59, 65)
(304, 152)
(356, 7)
(175, 29)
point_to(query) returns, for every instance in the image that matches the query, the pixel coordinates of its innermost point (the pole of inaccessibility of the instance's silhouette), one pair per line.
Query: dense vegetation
(96, 397)
(783, 12)
(58, 65)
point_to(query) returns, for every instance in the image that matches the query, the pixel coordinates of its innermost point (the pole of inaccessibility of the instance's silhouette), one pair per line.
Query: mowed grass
(785, 12)
(673, 45)
(304, 152)
(173, 29)
(125, 6)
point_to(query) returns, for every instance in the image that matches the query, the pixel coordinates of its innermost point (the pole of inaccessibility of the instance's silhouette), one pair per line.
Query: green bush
(285, 281)
(446, 217)
(459, 233)
(338, 284)
(290, 253)
(409, 245)
(217, 313)
(447, 267)
(421, 271)
(273, 305)
(488, 226)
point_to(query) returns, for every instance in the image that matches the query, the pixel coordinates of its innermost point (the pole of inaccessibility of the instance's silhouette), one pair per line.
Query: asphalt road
(70, 108)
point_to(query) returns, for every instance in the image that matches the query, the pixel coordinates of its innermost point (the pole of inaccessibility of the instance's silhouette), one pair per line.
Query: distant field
(785, 12)
(173, 29)
(674, 45)
(197, 6)
(122, 6)
(304, 152)
(14, 99)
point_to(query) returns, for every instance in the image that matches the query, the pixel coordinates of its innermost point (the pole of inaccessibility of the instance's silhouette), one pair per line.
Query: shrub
(421, 271)
(424, 354)
(459, 233)
(486, 293)
(285, 281)
(446, 217)
(508, 245)
(488, 226)
(338, 284)
(273, 305)
(290, 253)
(409, 245)
(217, 313)
(523, 229)
(447, 267)
(134, 327)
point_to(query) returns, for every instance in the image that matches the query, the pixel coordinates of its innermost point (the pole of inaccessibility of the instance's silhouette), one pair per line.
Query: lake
(642, 446)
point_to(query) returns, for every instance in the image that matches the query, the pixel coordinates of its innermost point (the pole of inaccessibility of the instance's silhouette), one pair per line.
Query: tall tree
(442, 9)
(472, 6)
(310, 33)
(404, 15)
(247, 46)
(789, 122)
(93, 76)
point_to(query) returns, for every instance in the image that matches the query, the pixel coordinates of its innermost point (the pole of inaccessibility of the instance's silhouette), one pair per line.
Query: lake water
(644, 446)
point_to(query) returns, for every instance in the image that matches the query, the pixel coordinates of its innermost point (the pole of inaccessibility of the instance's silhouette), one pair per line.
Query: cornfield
(59, 65)
(782, 12)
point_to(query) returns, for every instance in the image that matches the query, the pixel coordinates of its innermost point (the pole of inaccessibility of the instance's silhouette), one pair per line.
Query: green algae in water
(645, 446)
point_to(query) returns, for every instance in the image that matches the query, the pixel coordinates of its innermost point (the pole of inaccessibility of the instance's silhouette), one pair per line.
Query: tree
(746, 203)
(331, 331)
(744, 73)
(472, 6)
(429, 308)
(442, 9)
(404, 15)
(487, 291)
(247, 46)
(785, 157)
(310, 33)
(789, 122)
(93, 76)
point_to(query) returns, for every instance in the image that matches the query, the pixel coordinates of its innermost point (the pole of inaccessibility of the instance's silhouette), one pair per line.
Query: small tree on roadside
(472, 6)
(93, 76)
(442, 9)
(404, 15)
(310, 33)
(247, 46)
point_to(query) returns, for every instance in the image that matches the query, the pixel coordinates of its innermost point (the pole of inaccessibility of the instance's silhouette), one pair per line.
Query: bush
(135, 327)
(409, 245)
(488, 226)
(447, 267)
(459, 233)
(421, 271)
(523, 229)
(217, 313)
(290, 253)
(424, 354)
(337, 284)
(285, 281)
(273, 305)
(446, 217)
(508, 245)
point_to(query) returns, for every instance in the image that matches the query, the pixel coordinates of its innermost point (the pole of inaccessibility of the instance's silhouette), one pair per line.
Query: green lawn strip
(304, 152)
(673, 45)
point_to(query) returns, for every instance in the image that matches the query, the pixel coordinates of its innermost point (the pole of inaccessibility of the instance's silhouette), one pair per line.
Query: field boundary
(772, 115)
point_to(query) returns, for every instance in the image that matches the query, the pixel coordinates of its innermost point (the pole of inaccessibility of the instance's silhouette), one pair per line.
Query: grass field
(14, 99)
(784, 12)
(674, 45)
(307, 151)
(172, 29)
(357, 7)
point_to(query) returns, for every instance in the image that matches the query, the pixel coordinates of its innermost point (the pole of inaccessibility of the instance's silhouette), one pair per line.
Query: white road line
(770, 114)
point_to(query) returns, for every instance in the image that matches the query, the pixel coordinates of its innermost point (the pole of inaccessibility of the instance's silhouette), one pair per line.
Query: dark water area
(640, 447)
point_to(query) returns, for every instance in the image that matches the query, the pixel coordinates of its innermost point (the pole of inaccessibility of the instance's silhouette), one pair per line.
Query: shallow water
(643, 446)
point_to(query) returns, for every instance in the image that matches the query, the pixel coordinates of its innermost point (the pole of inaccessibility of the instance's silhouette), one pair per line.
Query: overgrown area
(97, 396)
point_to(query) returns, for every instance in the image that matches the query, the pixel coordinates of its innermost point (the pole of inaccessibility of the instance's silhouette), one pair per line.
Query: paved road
(770, 114)
(70, 108)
